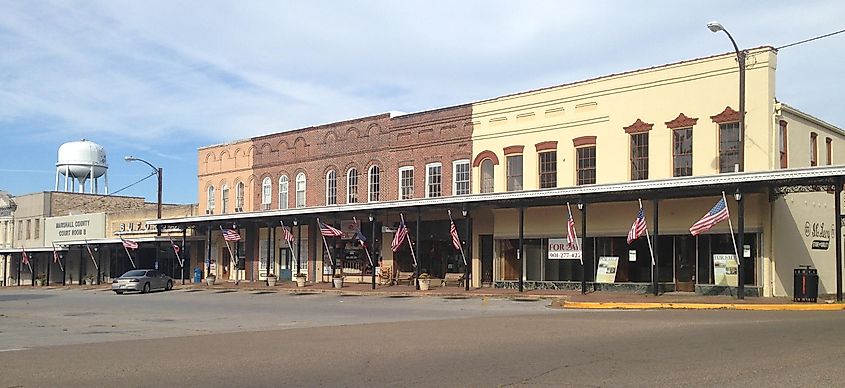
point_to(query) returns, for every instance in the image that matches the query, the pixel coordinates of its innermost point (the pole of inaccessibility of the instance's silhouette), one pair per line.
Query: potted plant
(425, 281)
(300, 280)
(337, 279)
(271, 279)
(89, 279)
(210, 279)
(40, 279)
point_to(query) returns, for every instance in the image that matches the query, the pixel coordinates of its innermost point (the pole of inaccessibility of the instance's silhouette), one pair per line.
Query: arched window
(239, 197)
(331, 188)
(209, 204)
(352, 186)
(487, 176)
(224, 199)
(283, 192)
(374, 183)
(300, 190)
(266, 193)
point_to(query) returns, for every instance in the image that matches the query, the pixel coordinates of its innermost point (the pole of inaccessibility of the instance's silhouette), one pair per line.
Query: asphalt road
(377, 341)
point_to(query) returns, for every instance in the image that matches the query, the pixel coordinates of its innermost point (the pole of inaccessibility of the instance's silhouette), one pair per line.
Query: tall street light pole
(158, 172)
(740, 58)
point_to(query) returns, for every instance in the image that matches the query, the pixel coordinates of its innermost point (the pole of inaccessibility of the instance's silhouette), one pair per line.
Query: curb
(700, 306)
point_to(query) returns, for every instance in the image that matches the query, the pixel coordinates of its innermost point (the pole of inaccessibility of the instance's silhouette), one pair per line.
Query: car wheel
(169, 285)
(146, 288)
(118, 292)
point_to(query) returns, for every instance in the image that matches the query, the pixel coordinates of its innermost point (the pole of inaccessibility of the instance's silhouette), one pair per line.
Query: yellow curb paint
(703, 306)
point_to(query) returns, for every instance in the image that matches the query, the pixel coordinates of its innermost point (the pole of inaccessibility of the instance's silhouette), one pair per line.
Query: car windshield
(134, 274)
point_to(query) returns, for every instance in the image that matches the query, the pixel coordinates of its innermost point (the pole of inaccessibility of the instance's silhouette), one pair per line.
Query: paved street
(240, 338)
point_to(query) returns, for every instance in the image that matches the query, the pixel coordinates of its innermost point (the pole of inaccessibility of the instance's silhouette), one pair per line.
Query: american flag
(328, 230)
(24, 256)
(571, 236)
(638, 228)
(176, 248)
(288, 234)
(717, 214)
(55, 255)
(231, 235)
(126, 243)
(456, 241)
(399, 237)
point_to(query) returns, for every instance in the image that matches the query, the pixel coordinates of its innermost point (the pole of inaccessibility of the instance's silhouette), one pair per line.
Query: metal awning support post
(373, 248)
(186, 253)
(208, 251)
(47, 280)
(270, 259)
(519, 258)
(468, 235)
(740, 267)
(583, 249)
(99, 261)
(298, 240)
(417, 269)
(838, 238)
(63, 258)
(20, 263)
(655, 282)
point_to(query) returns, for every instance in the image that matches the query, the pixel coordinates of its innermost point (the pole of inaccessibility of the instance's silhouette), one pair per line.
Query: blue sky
(158, 79)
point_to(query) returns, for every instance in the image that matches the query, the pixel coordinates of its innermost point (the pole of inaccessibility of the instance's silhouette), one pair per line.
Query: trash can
(805, 284)
(197, 275)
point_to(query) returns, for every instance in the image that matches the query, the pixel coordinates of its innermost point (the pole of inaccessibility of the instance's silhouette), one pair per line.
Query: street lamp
(158, 172)
(740, 58)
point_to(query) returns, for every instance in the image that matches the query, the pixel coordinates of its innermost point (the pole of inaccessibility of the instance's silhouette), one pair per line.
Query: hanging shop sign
(606, 272)
(560, 249)
(725, 272)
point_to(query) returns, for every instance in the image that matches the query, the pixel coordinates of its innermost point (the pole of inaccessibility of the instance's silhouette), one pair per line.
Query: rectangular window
(729, 147)
(548, 169)
(829, 146)
(782, 145)
(460, 177)
(433, 180)
(20, 230)
(375, 183)
(682, 151)
(37, 230)
(514, 172)
(586, 159)
(814, 149)
(487, 176)
(28, 229)
(639, 156)
(406, 183)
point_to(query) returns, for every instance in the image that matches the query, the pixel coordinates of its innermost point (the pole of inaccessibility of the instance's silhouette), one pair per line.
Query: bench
(405, 277)
(456, 278)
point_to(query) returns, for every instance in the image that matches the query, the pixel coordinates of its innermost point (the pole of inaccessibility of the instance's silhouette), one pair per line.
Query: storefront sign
(725, 271)
(606, 272)
(819, 233)
(820, 244)
(81, 227)
(559, 249)
(632, 255)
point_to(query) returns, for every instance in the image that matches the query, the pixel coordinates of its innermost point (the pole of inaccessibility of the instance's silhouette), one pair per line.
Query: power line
(810, 40)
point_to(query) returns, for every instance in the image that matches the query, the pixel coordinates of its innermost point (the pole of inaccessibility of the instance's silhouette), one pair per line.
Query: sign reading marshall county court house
(75, 228)
(560, 250)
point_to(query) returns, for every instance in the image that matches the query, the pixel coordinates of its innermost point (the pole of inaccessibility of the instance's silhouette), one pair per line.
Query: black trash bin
(805, 284)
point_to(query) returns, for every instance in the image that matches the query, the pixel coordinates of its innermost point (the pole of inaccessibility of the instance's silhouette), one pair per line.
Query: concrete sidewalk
(566, 299)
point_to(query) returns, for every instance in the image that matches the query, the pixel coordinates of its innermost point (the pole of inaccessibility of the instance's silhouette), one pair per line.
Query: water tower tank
(80, 161)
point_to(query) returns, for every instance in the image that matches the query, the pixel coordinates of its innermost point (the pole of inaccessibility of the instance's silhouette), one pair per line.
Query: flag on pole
(571, 236)
(717, 214)
(453, 231)
(129, 244)
(55, 255)
(176, 248)
(328, 230)
(361, 238)
(231, 235)
(638, 227)
(288, 234)
(399, 237)
(24, 256)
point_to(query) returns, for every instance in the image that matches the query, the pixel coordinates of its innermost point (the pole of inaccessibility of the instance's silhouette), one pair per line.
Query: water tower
(80, 161)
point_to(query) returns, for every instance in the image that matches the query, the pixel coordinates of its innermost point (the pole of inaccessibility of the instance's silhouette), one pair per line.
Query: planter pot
(89, 282)
(425, 284)
(39, 282)
(271, 281)
(210, 281)
(338, 282)
(300, 281)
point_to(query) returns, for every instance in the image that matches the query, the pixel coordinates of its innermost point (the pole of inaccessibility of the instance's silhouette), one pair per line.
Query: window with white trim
(239, 197)
(266, 193)
(283, 192)
(352, 185)
(300, 190)
(487, 176)
(331, 188)
(374, 182)
(460, 177)
(224, 199)
(209, 204)
(433, 180)
(406, 183)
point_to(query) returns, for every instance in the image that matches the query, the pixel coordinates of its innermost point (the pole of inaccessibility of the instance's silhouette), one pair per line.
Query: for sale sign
(560, 249)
